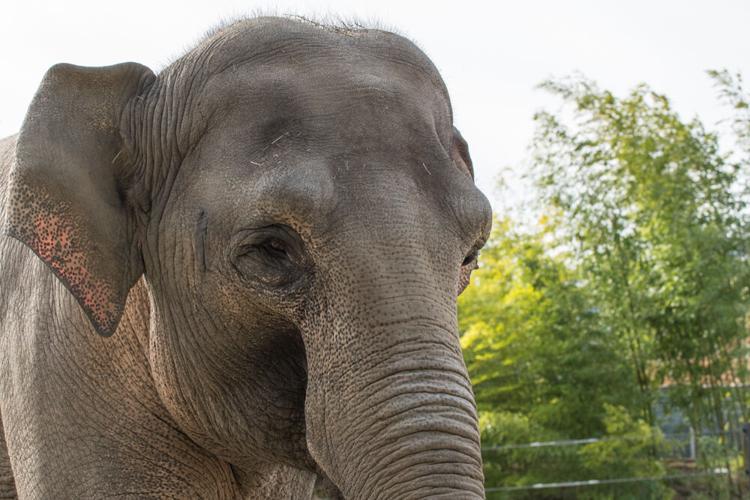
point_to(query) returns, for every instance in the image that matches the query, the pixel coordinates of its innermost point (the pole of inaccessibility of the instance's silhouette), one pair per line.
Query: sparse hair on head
(329, 22)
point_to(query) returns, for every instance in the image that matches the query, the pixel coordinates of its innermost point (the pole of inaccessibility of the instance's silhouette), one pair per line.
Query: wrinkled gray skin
(273, 231)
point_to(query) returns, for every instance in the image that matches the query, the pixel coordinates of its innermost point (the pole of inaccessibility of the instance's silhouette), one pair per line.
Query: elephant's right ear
(67, 199)
(460, 153)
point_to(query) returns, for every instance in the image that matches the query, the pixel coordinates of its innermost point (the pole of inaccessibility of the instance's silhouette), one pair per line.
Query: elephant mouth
(271, 390)
(285, 363)
(292, 359)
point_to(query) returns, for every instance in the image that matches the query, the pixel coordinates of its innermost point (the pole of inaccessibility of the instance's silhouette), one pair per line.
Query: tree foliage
(652, 211)
(637, 279)
(732, 93)
(541, 363)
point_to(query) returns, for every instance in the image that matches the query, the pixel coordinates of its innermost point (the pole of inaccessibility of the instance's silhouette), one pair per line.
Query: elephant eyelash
(471, 257)
(271, 241)
(273, 249)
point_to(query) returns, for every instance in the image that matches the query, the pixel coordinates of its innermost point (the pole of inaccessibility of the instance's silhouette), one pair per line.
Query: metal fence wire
(684, 447)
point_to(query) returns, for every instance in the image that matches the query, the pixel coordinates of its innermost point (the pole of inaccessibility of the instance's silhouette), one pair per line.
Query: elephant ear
(67, 195)
(460, 153)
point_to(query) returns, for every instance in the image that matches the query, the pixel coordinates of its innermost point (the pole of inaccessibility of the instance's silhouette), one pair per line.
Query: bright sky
(491, 54)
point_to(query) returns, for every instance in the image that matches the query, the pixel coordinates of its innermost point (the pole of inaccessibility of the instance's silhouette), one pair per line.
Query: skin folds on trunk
(406, 430)
(420, 438)
(393, 414)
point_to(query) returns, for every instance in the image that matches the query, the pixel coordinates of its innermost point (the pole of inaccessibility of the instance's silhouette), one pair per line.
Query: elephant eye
(272, 248)
(469, 264)
(470, 260)
(271, 256)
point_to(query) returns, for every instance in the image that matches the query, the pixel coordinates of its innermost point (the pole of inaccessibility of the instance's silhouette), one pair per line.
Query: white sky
(491, 54)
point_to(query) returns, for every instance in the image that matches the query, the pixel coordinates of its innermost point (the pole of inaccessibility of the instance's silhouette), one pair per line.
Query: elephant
(239, 274)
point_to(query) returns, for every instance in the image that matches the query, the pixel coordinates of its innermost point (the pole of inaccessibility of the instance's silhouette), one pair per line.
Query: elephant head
(303, 214)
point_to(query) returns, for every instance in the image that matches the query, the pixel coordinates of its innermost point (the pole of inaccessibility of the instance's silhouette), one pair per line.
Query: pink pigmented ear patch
(53, 233)
(67, 192)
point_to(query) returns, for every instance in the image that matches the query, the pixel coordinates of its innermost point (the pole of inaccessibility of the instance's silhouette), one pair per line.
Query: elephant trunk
(390, 410)
(419, 433)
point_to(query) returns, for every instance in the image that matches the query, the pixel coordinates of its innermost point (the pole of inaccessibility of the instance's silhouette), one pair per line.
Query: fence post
(746, 447)
(692, 444)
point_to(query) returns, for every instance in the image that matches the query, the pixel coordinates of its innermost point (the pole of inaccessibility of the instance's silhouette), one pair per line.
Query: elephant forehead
(276, 67)
(329, 95)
